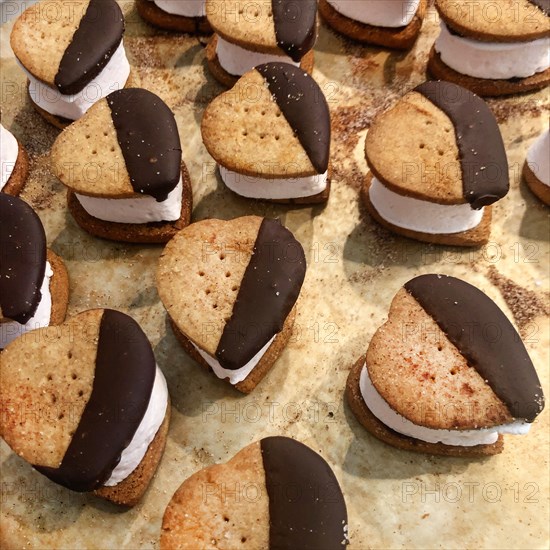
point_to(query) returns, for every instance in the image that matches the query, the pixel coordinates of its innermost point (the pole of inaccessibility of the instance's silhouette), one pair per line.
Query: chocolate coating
(306, 506)
(270, 286)
(295, 26)
(304, 106)
(485, 337)
(124, 376)
(482, 155)
(544, 5)
(22, 259)
(94, 42)
(148, 136)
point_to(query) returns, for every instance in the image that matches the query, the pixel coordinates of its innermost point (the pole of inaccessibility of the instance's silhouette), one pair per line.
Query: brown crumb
(524, 304)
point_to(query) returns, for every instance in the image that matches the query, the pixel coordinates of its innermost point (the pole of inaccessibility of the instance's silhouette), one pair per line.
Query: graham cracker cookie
(294, 501)
(154, 15)
(229, 288)
(18, 177)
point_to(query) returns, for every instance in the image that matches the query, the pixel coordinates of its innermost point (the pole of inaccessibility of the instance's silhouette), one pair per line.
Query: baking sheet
(395, 499)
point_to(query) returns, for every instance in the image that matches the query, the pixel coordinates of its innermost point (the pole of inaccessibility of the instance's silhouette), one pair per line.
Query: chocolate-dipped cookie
(72, 54)
(394, 24)
(437, 163)
(294, 501)
(536, 170)
(446, 374)
(34, 285)
(175, 15)
(104, 404)
(122, 165)
(270, 135)
(250, 34)
(493, 48)
(14, 163)
(229, 288)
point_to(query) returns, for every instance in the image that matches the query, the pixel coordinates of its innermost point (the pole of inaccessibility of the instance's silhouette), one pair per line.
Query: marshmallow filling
(273, 188)
(422, 216)
(9, 149)
(378, 13)
(184, 8)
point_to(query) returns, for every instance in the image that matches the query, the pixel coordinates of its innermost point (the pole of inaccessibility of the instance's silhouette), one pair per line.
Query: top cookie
(279, 27)
(440, 143)
(503, 21)
(127, 145)
(67, 44)
(274, 123)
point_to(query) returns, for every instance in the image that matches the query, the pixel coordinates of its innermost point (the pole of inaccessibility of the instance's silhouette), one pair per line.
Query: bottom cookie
(61, 122)
(538, 188)
(401, 38)
(477, 236)
(153, 232)
(20, 173)
(151, 13)
(265, 363)
(486, 87)
(129, 491)
(389, 436)
(229, 80)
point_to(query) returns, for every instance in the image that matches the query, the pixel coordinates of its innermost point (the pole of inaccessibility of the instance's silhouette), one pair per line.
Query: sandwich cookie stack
(229, 288)
(122, 165)
(493, 48)
(447, 374)
(394, 24)
(248, 34)
(34, 285)
(295, 501)
(103, 401)
(72, 54)
(270, 135)
(14, 163)
(437, 163)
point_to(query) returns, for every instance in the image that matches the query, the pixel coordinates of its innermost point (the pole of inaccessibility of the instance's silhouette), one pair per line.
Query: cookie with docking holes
(104, 402)
(447, 374)
(72, 53)
(249, 34)
(493, 48)
(122, 165)
(230, 289)
(34, 284)
(287, 497)
(270, 135)
(437, 164)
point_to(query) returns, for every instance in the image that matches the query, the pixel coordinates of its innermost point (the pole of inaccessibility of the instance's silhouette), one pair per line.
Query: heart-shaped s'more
(284, 495)
(122, 165)
(100, 404)
(72, 54)
(492, 55)
(249, 34)
(229, 288)
(437, 163)
(447, 373)
(34, 285)
(270, 135)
